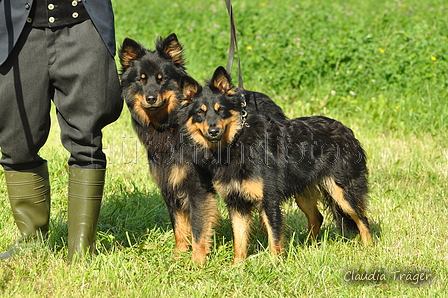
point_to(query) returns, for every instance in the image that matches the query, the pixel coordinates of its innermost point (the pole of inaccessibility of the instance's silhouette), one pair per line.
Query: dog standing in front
(258, 162)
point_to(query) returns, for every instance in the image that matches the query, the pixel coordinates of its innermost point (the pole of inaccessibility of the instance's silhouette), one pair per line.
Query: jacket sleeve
(102, 16)
(13, 15)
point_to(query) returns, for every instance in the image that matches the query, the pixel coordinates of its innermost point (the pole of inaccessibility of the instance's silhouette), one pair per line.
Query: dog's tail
(347, 203)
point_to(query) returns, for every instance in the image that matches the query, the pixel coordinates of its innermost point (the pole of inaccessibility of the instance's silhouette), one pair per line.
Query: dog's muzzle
(214, 134)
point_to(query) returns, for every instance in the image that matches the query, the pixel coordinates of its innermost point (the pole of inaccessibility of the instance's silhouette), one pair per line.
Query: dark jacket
(13, 15)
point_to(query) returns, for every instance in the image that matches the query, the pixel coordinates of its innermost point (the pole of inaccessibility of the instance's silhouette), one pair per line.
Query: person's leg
(29, 195)
(87, 97)
(24, 127)
(24, 102)
(87, 92)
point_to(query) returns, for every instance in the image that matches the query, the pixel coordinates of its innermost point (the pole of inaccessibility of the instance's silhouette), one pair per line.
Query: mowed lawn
(377, 66)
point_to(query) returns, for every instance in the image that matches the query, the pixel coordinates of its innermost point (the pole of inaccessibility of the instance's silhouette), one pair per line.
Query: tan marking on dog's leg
(308, 204)
(177, 175)
(276, 248)
(252, 189)
(182, 232)
(209, 209)
(338, 195)
(241, 230)
(225, 189)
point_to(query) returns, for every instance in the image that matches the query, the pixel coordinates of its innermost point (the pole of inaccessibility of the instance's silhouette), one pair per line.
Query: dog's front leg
(241, 219)
(204, 211)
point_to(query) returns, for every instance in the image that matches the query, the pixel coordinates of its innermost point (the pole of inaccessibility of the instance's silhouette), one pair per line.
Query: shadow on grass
(294, 231)
(131, 220)
(125, 219)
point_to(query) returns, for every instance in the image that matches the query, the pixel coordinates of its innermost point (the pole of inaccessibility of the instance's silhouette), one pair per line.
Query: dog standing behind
(150, 87)
(259, 163)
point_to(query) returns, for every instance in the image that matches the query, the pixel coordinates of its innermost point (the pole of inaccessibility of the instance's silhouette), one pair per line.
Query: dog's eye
(221, 110)
(161, 78)
(200, 112)
(142, 78)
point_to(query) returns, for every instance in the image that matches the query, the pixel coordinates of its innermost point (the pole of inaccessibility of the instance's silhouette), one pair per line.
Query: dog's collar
(244, 111)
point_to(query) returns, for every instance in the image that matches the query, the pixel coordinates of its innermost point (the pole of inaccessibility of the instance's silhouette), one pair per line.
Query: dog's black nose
(151, 99)
(213, 131)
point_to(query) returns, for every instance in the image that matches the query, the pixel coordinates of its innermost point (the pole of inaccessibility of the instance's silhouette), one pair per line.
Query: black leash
(233, 46)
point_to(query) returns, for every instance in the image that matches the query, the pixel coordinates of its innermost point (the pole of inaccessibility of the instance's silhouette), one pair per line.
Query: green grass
(367, 64)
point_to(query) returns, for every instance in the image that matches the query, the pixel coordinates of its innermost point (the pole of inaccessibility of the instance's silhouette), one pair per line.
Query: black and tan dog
(258, 162)
(150, 87)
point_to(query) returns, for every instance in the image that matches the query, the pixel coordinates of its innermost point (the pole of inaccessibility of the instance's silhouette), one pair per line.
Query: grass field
(377, 66)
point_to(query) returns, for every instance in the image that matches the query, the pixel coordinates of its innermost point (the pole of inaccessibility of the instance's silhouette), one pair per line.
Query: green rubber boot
(85, 192)
(29, 195)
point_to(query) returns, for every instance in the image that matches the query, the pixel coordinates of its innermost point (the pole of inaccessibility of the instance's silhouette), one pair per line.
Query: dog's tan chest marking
(250, 189)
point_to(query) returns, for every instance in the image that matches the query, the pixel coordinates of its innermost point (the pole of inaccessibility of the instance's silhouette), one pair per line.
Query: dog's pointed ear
(222, 81)
(130, 50)
(189, 88)
(172, 49)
